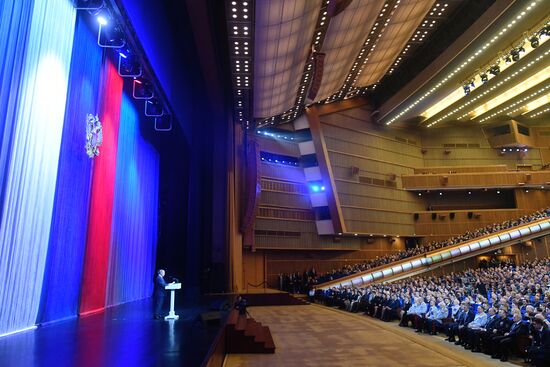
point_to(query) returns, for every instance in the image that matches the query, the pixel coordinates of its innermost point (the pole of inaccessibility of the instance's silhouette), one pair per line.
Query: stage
(124, 335)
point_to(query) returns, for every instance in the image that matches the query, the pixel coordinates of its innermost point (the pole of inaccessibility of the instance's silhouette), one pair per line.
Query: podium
(172, 288)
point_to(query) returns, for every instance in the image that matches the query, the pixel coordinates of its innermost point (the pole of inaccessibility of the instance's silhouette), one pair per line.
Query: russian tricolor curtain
(60, 292)
(94, 280)
(33, 127)
(76, 234)
(134, 226)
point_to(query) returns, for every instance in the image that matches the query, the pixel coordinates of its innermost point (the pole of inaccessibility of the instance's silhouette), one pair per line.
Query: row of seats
(299, 282)
(498, 311)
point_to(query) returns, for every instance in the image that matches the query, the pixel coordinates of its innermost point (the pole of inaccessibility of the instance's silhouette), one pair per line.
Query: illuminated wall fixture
(465, 61)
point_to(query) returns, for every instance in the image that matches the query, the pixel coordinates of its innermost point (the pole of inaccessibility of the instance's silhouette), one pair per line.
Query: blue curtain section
(15, 21)
(62, 277)
(33, 161)
(135, 210)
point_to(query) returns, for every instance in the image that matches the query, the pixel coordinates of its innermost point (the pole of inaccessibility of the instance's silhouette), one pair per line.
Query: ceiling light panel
(344, 39)
(489, 43)
(283, 33)
(408, 16)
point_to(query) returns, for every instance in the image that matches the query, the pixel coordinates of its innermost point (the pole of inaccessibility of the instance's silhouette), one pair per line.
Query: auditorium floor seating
(320, 336)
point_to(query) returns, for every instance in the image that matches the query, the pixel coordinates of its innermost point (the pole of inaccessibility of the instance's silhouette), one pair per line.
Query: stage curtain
(96, 260)
(34, 146)
(134, 227)
(61, 288)
(15, 21)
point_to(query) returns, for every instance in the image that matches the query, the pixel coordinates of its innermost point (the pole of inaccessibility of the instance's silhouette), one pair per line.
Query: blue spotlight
(322, 188)
(102, 20)
(315, 188)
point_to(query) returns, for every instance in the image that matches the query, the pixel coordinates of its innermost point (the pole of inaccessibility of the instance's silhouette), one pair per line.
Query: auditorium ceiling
(414, 62)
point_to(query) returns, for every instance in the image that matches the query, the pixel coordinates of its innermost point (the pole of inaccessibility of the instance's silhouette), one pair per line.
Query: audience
(496, 310)
(303, 282)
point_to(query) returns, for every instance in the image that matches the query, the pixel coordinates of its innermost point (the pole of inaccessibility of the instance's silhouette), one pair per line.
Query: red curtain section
(96, 261)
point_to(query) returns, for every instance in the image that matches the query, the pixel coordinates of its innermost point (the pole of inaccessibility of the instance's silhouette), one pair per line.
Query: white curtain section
(32, 168)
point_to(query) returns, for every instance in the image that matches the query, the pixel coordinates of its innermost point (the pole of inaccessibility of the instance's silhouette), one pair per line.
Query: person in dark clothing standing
(159, 294)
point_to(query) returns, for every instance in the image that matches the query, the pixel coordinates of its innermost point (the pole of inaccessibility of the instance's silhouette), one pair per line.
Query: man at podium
(158, 294)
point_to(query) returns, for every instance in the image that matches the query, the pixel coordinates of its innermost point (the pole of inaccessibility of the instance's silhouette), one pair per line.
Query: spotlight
(153, 108)
(494, 70)
(164, 123)
(315, 188)
(143, 89)
(484, 78)
(508, 60)
(111, 36)
(466, 89)
(102, 20)
(88, 4)
(128, 64)
(534, 41)
(521, 49)
(515, 55)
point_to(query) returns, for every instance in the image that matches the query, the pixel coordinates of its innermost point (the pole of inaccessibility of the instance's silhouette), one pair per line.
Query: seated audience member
(464, 318)
(434, 322)
(477, 323)
(475, 335)
(301, 282)
(503, 344)
(415, 313)
(539, 352)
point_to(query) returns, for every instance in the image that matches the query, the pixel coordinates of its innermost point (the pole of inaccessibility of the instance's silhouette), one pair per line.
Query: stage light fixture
(466, 89)
(142, 89)
(508, 60)
(128, 64)
(90, 5)
(534, 41)
(153, 108)
(494, 70)
(102, 20)
(109, 35)
(484, 78)
(515, 55)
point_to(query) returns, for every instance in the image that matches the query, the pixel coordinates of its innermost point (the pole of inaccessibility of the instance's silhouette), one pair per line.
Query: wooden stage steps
(246, 335)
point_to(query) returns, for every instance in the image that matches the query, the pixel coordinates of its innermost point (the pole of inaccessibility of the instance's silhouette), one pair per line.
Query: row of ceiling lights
(514, 55)
(422, 32)
(240, 22)
(471, 100)
(530, 7)
(317, 42)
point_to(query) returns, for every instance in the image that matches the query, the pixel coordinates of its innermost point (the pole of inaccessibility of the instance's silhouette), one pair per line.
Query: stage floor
(319, 336)
(124, 335)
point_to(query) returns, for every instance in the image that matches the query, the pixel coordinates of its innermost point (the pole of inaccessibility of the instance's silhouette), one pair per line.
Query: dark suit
(539, 352)
(503, 344)
(158, 295)
(475, 337)
(462, 320)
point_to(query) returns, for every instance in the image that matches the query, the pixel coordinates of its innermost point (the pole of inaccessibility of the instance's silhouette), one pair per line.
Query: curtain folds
(96, 260)
(134, 226)
(61, 287)
(15, 21)
(30, 172)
